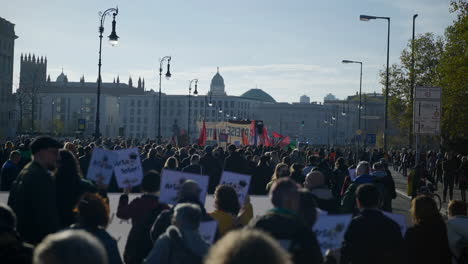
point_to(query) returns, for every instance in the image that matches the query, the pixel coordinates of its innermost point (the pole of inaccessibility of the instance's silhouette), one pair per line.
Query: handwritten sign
(399, 219)
(330, 231)
(127, 168)
(101, 166)
(239, 182)
(208, 231)
(171, 181)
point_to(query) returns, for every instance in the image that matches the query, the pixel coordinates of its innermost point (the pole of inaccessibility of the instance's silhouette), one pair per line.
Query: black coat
(84, 164)
(428, 243)
(260, 178)
(373, 238)
(300, 240)
(156, 163)
(8, 174)
(236, 163)
(193, 168)
(213, 169)
(33, 199)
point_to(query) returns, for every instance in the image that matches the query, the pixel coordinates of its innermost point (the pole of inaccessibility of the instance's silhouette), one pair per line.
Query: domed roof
(62, 78)
(258, 94)
(217, 79)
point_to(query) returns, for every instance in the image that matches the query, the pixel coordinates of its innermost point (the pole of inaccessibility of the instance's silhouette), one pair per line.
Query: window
(139, 103)
(132, 119)
(138, 120)
(171, 112)
(232, 104)
(178, 112)
(145, 120)
(132, 103)
(132, 111)
(196, 103)
(202, 104)
(146, 103)
(131, 128)
(171, 103)
(139, 111)
(226, 104)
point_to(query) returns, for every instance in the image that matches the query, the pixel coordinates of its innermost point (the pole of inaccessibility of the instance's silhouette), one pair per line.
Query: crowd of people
(56, 215)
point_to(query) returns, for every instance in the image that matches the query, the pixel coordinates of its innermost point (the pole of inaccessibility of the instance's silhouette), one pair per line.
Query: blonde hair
(424, 209)
(278, 167)
(247, 246)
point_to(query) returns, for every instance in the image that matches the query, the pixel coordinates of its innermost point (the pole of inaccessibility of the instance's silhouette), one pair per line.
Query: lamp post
(195, 93)
(113, 40)
(168, 76)
(413, 76)
(367, 18)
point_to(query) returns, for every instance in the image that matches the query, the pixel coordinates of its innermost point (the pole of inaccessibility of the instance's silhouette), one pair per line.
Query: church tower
(33, 71)
(217, 84)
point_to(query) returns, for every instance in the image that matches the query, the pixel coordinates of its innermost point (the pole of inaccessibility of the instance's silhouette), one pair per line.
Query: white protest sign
(399, 219)
(239, 182)
(101, 166)
(208, 231)
(172, 180)
(330, 231)
(127, 168)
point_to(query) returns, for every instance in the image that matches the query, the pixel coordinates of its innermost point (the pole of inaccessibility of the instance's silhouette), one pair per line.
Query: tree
(453, 71)
(428, 50)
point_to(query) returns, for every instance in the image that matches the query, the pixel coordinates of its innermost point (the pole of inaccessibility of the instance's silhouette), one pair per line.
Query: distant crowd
(55, 214)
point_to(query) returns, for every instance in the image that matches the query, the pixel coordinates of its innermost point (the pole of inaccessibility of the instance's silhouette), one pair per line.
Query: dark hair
(93, 211)
(424, 209)
(282, 190)
(171, 163)
(368, 195)
(151, 181)
(340, 163)
(226, 199)
(457, 207)
(41, 143)
(68, 173)
(7, 218)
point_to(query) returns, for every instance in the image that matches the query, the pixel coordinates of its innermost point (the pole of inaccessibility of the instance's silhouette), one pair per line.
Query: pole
(410, 135)
(386, 88)
(159, 105)
(97, 132)
(188, 118)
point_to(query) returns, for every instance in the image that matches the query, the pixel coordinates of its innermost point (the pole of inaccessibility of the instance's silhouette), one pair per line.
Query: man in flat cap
(33, 195)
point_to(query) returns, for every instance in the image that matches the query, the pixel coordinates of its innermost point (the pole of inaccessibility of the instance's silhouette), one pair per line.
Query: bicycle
(430, 190)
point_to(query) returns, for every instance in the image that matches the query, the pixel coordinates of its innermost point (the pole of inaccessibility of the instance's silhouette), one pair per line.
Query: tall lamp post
(360, 94)
(413, 76)
(367, 18)
(113, 40)
(195, 93)
(168, 76)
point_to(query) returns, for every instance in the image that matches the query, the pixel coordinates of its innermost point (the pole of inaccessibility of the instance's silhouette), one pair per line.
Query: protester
(338, 177)
(449, 167)
(284, 223)
(457, 231)
(427, 241)
(228, 212)
(261, 176)
(93, 217)
(152, 162)
(211, 167)
(33, 196)
(463, 177)
(389, 191)
(12, 248)
(296, 172)
(143, 211)
(85, 160)
(247, 247)
(10, 170)
(371, 236)
(235, 162)
(189, 193)
(348, 202)
(71, 247)
(194, 166)
(326, 201)
(308, 207)
(281, 171)
(182, 242)
(171, 164)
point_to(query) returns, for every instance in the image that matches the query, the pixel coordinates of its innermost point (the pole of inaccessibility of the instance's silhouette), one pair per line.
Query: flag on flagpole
(215, 134)
(253, 134)
(285, 142)
(245, 138)
(202, 137)
(277, 135)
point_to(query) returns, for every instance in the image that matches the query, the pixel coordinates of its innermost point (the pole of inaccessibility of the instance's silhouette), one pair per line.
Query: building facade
(7, 46)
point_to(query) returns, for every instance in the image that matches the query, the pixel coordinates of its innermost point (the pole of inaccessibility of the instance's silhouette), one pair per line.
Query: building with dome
(132, 111)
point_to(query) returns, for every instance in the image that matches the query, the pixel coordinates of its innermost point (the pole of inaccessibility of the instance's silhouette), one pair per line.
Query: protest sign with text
(172, 180)
(101, 166)
(239, 182)
(330, 230)
(128, 170)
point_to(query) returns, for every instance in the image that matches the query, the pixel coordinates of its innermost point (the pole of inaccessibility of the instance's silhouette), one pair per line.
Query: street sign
(371, 138)
(81, 124)
(358, 132)
(427, 110)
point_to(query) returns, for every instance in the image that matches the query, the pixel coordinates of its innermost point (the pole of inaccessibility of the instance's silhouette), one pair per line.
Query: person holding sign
(371, 236)
(286, 225)
(228, 212)
(143, 211)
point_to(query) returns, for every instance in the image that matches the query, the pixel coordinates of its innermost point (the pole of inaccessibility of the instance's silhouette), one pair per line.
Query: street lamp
(367, 18)
(413, 75)
(113, 40)
(168, 76)
(195, 93)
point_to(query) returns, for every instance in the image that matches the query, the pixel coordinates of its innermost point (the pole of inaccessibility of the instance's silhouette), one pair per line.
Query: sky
(286, 48)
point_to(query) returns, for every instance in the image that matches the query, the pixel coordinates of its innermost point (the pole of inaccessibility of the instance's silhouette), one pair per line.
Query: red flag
(245, 139)
(277, 135)
(284, 142)
(265, 136)
(202, 138)
(215, 134)
(253, 134)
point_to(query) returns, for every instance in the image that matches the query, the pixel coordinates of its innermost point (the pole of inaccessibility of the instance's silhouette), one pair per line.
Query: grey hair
(362, 168)
(71, 247)
(187, 215)
(189, 189)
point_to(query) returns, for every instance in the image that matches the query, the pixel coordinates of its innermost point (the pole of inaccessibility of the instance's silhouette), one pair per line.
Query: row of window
(194, 103)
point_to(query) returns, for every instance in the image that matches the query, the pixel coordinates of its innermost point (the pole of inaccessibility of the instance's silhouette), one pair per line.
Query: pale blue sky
(286, 48)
